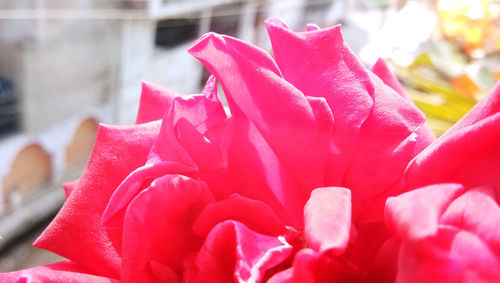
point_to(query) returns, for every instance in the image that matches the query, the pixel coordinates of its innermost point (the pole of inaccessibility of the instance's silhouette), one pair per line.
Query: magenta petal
(157, 226)
(69, 187)
(132, 185)
(414, 215)
(182, 132)
(376, 130)
(324, 74)
(76, 232)
(382, 71)
(468, 153)
(257, 173)
(162, 273)
(310, 266)
(285, 276)
(327, 219)
(476, 211)
(312, 27)
(256, 91)
(234, 253)
(384, 267)
(59, 272)
(454, 256)
(255, 214)
(155, 101)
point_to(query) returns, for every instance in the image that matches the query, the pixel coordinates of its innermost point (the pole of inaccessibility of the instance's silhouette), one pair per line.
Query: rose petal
(282, 276)
(323, 74)
(414, 215)
(478, 212)
(255, 214)
(375, 128)
(468, 153)
(69, 187)
(327, 219)
(311, 266)
(366, 240)
(132, 185)
(183, 128)
(76, 232)
(256, 91)
(453, 256)
(312, 27)
(254, 171)
(382, 71)
(59, 272)
(234, 253)
(157, 226)
(468, 156)
(154, 103)
(384, 266)
(163, 273)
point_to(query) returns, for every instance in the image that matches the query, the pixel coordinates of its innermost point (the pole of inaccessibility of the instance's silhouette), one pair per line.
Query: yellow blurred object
(472, 22)
(443, 101)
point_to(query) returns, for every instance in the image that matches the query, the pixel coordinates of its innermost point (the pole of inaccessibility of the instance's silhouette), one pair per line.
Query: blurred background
(67, 65)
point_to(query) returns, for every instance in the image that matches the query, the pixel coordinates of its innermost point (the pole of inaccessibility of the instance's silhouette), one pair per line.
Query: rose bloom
(290, 187)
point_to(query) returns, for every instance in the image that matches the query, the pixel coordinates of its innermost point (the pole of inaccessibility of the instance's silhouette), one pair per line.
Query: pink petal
(163, 273)
(155, 101)
(375, 131)
(158, 226)
(382, 71)
(132, 185)
(282, 276)
(453, 256)
(366, 241)
(311, 266)
(312, 27)
(478, 212)
(255, 214)
(414, 215)
(468, 153)
(327, 218)
(322, 74)
(255, 172)
(182, 137)
(59, 272)
(76, 232)
(234, 253)
(256, 91)
(384, 265)
(69, 187)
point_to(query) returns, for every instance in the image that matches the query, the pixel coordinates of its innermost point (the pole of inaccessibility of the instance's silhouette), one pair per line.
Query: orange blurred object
(466, 86)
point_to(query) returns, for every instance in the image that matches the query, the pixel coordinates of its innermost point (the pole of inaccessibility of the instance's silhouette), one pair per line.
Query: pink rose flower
(290, 187)
(449, 228)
